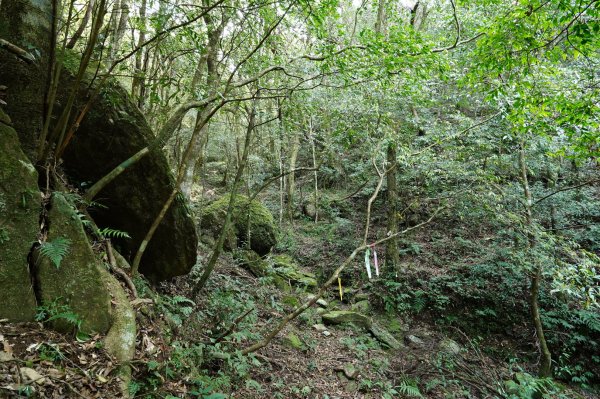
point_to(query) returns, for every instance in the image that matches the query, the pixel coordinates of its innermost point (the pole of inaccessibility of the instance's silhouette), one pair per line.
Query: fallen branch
(18, 51)
(233, 325)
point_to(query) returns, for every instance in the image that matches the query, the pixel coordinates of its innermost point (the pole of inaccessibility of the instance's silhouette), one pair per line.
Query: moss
(293, 341)
(290, 300)
(346, 316)
(252, 261)
(19, 215)
(250, 217)
(285, 267)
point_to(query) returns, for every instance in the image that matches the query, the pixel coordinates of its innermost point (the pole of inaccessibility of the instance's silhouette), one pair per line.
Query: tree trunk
(545, 369)
(291, 179)
(138, 78)
(392, 255)
(212, 83)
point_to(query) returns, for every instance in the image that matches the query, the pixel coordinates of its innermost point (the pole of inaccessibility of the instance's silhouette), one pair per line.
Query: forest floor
(177, 355)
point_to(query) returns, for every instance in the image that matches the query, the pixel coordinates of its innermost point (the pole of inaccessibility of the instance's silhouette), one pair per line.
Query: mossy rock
(112, 131)
(384, 336)
(361, 306)
(77, 281)
(285, 267)
(293, 341)
(346, 316)
(19, 217)
(249, 217)
(252, 262)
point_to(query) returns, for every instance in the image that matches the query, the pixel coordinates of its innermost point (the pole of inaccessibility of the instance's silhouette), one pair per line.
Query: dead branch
(18, 51)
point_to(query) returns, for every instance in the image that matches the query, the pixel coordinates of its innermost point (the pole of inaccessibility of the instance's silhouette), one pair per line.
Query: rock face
(25, 23)
(78, 281)
(110, 133)
(249, 217)
(19, 216)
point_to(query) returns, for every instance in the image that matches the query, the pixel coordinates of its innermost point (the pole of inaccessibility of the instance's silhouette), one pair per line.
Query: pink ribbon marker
(375, 261)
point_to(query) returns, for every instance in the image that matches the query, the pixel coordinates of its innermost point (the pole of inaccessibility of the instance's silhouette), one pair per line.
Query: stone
(326, 333)
(320, 327)
(362, 306)
(284, 266)
(413, 341)
(321, 302)
(449, 346)
(77, 281)
(293, 341)
(20, 205)
(350, 371)
(5, 356)
(112, 131)
(29, 375)
(345, 316)
(384, 336)
(248, 216)
(252, 262)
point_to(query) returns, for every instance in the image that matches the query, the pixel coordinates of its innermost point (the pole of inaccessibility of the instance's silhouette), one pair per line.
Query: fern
(55, 250)
(107, 232)
(408, 387)
(57, 310)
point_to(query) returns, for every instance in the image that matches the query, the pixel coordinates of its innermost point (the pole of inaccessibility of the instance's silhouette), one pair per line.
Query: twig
(566, 189)
(115, 268)
(233, 325)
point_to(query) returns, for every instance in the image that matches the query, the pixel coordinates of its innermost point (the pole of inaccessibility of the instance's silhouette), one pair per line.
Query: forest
(321, 199)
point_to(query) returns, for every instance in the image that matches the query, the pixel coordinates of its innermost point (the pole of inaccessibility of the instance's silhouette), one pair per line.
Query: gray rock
(384, 336)
(449, 346)
(414, 341)
(319, 327)
(322, 303)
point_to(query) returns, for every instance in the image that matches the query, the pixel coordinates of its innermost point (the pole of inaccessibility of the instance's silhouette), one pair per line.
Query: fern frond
(55, 250)
(107, 232)
(408, 387)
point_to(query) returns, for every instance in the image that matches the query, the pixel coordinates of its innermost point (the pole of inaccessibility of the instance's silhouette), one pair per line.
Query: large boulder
(111, 132)
(250, 218)
(77, 281)
(19, 215)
